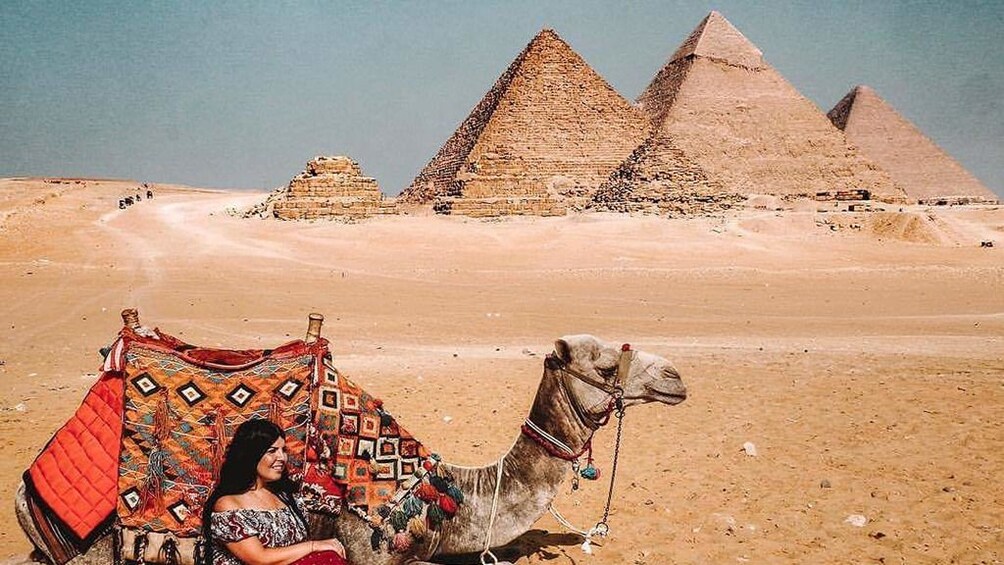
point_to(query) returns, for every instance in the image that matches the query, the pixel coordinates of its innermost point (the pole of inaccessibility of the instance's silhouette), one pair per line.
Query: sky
(242, 94)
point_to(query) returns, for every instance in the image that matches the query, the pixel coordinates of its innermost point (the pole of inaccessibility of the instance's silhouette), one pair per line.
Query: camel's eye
(607, 372)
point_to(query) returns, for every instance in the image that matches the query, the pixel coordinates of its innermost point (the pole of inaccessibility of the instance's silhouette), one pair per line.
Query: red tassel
(401, 542)
(448, 505)
(219, 442)
(162, 418)
(153, 491)
(155, 494)
(275, 410)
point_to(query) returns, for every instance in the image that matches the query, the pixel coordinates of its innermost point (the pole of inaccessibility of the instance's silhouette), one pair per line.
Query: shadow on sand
(544, 545)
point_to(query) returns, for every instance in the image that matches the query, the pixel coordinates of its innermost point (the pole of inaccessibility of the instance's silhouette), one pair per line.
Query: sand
(868, 356)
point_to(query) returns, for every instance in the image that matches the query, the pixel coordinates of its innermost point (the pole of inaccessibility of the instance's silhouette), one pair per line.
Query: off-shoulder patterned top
(273, 528)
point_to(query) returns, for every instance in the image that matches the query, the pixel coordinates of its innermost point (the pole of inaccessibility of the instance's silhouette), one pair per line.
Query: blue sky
(242, 94)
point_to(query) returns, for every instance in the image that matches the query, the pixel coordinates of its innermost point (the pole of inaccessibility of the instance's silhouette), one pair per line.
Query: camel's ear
(563, 351)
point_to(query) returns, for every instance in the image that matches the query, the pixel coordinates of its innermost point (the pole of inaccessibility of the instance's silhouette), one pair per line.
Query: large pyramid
(747, 127)
(545, 136)
(922, 168)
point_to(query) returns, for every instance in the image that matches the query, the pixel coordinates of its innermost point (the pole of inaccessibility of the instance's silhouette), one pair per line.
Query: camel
(575, 397)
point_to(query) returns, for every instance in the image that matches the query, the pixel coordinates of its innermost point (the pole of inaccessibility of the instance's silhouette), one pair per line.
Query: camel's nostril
(670, 373)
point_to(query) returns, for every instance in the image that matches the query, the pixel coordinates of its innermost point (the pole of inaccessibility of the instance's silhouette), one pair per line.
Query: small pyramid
(658, 178)
(543, 139)
(328, 187)
(915, 162)
(747, 127)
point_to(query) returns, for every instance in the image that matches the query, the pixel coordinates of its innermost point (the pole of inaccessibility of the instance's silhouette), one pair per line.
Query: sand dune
(867, 357)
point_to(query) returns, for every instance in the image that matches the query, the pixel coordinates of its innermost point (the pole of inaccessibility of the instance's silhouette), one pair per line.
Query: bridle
(554, 446)
(554, 362)
(559, 449)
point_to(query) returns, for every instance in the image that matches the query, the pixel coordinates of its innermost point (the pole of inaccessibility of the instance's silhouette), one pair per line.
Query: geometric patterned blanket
(144, 448)
(179, 415)
(365, 456)
(364, 461)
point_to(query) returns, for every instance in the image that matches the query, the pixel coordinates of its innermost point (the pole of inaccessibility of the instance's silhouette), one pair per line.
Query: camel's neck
(531, 476)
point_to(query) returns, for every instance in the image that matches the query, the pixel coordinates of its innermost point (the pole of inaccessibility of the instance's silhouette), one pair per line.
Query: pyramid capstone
(716, 38)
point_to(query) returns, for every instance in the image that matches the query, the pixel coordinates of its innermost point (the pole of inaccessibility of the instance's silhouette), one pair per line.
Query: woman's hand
(329, 545)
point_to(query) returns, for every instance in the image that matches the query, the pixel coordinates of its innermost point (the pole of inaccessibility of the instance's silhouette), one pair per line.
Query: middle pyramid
(741, 122)
(542, 140)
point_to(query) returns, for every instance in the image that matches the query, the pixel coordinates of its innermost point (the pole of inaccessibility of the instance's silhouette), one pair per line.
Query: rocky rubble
(659, 179)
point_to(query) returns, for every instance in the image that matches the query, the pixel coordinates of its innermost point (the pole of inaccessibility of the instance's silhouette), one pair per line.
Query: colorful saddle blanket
(144, 448)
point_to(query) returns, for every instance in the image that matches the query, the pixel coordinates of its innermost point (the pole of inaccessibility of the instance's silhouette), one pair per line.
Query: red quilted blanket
(76, 473)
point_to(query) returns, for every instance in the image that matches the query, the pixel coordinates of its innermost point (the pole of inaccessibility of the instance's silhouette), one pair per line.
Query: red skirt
(321, 558)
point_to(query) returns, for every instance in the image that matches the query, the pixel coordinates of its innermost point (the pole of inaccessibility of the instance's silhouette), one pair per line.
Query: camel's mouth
(667, 391)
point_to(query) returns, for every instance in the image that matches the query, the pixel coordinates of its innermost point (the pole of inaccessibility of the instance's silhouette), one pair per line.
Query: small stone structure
(737, 118)
(541, 141)
(924, 170)
(843, 195)
(331, 187)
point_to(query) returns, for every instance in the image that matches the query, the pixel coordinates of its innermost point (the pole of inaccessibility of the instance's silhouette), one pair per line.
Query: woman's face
(271, 465)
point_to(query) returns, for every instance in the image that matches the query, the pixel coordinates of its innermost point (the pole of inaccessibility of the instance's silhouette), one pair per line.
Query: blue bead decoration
(590, 473)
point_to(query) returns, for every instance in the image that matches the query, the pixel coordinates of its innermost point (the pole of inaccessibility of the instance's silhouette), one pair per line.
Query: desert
(860, 353)
(798, 313)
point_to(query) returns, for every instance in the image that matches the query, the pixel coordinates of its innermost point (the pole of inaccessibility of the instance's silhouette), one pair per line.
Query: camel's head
(648, 377)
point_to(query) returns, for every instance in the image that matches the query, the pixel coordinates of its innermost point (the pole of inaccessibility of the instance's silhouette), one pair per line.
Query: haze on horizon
(215, 96)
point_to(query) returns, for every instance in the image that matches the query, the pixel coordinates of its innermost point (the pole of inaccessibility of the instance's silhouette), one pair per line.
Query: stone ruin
(540, 142)
(330, 187)
(924, 170)
(746, 127)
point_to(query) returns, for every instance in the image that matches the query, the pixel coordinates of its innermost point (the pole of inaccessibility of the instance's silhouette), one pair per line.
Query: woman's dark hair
(239, 472)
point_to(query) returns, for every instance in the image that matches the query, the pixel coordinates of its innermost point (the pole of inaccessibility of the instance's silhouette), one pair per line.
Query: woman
(251, 516)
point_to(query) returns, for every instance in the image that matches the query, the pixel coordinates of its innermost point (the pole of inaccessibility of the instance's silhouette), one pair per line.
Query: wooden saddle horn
(314, 322)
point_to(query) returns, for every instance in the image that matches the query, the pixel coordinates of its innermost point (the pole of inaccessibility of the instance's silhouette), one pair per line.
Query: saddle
(140, 456)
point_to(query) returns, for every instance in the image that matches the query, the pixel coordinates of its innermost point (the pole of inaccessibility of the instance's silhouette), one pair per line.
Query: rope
(586, 535)
(540, 431)
(491, 517)
(561, 520)
(551, 444)
(601, 529)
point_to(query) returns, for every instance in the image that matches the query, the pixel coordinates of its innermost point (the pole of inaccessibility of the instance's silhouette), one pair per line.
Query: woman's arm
(251, 551)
